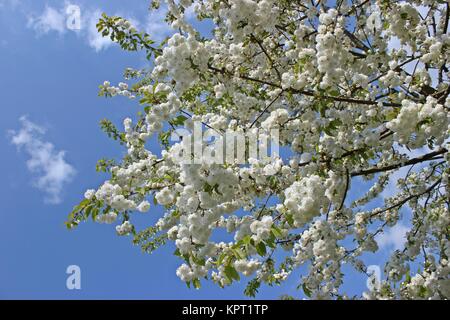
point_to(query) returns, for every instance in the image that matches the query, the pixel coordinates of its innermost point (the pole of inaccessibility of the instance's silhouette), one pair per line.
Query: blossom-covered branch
(358, 93)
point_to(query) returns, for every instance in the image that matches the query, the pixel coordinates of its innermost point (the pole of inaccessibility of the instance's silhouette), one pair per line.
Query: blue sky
(49, 77)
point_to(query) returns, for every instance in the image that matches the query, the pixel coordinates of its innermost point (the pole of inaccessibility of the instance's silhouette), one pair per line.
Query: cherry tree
(359, 93)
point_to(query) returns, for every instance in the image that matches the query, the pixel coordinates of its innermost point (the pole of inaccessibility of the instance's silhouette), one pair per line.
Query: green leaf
(220, 259)
(408, 277)
(95, 212)
(271, 241)
(289, 219)
(391, 115)
(306, 290)
(334, 93)
(247, 239)
(81, 205)
(252, 288)
(231, 273)
(178, 121)
(239, 253)
(277, 232)
(261, 249)
(427, 120)
(88, 210)
(199, 261)
(196, 283)
(177, 253)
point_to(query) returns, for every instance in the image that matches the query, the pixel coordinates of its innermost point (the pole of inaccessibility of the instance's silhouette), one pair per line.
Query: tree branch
(427, 157)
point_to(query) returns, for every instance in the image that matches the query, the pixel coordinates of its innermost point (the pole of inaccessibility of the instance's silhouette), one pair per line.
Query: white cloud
(94, 38)
(159, 29)
(156, 27)
(50, 20)
(394, 237)
(56, 19)
(51, 170)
